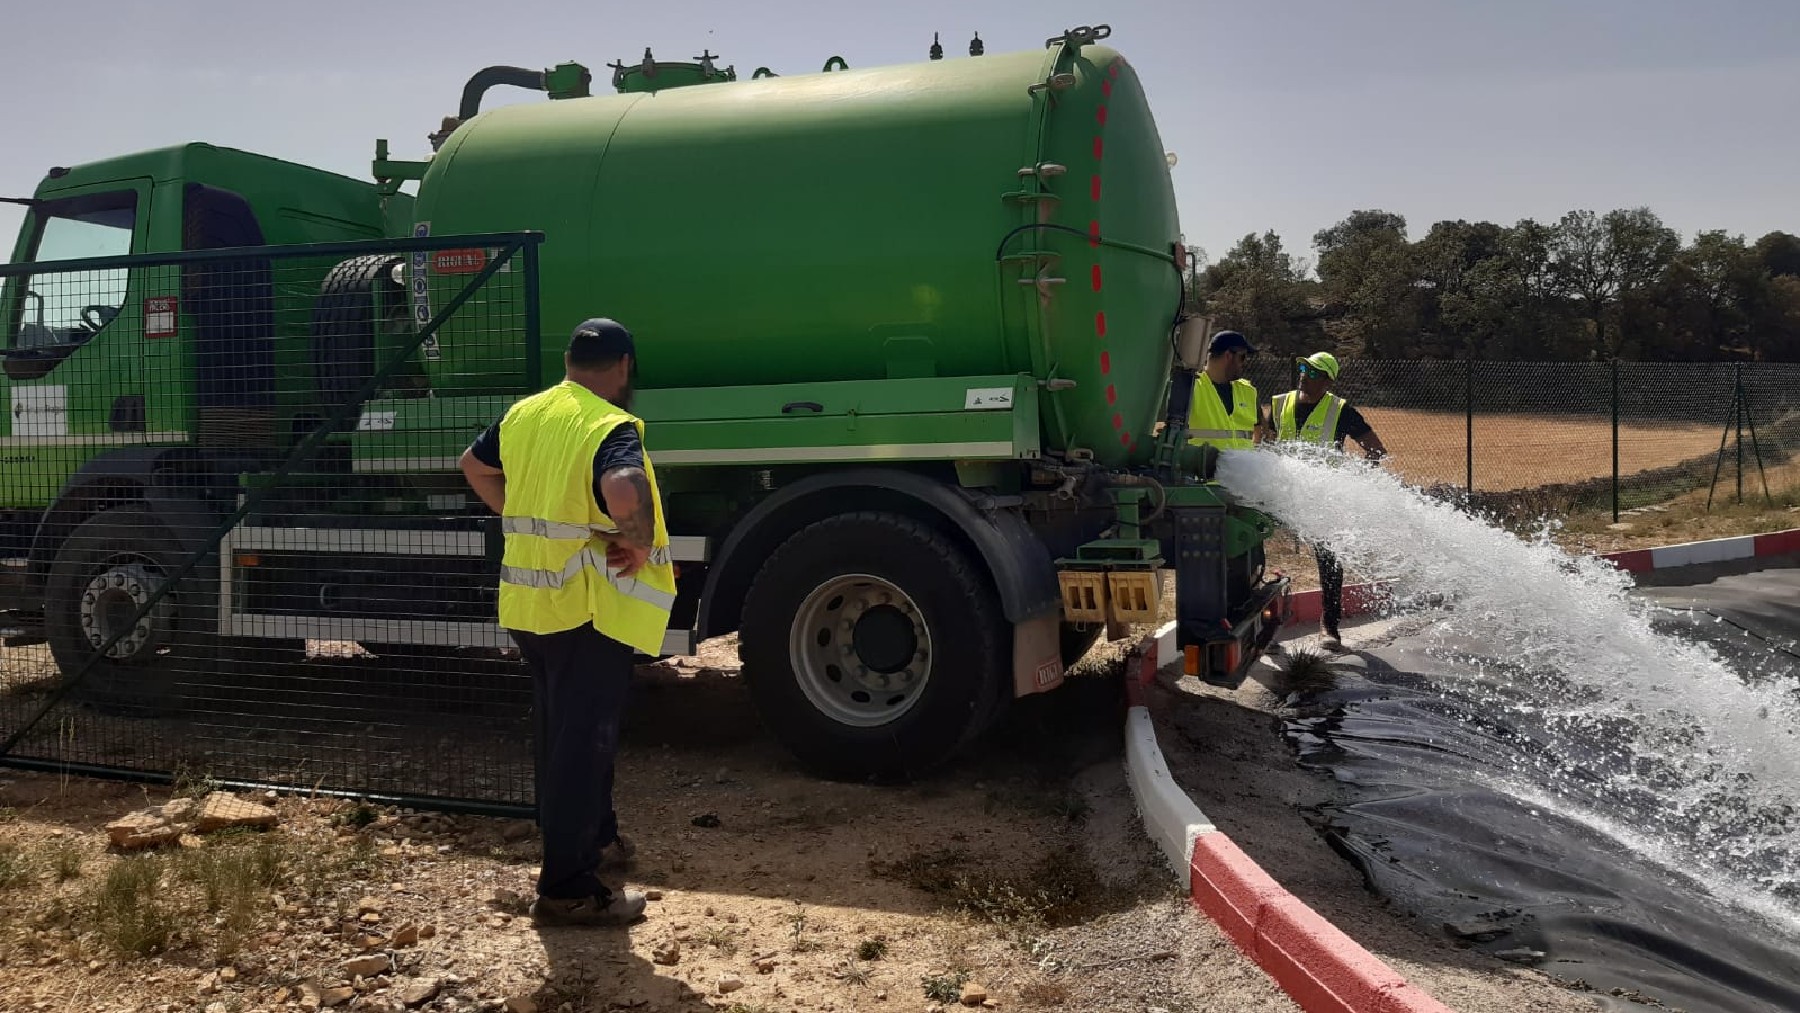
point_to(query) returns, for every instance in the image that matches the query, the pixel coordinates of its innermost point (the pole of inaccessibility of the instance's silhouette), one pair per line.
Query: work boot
(1331, 642)
(620, 908)
(618, 853)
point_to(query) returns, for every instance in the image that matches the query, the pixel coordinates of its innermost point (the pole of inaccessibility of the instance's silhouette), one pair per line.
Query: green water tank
(1009, 213)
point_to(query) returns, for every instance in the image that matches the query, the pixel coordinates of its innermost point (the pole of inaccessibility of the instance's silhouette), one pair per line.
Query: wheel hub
(109, 602)
(861, 650)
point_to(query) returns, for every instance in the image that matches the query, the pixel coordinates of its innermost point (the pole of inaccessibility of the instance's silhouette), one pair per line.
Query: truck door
(73, 356)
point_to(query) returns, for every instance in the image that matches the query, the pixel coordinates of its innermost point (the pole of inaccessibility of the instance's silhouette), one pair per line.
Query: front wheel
(873, 647)
(107, 569)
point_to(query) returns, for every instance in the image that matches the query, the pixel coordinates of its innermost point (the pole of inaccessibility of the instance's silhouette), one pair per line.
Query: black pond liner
(1426, 821)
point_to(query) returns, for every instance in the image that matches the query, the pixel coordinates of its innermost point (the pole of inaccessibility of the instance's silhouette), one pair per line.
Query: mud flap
(1037, 655)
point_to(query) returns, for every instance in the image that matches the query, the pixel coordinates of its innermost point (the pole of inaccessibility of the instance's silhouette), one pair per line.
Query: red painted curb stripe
(1321, 968)
(1778, 543)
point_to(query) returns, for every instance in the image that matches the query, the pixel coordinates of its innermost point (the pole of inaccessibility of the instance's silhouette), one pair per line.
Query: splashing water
(1647, 737)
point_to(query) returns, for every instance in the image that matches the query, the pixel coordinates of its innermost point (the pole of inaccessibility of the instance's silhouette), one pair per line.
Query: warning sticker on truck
(458, 261)
(987, 398)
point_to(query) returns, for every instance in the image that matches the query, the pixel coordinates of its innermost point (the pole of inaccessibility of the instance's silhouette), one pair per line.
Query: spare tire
(357, 301)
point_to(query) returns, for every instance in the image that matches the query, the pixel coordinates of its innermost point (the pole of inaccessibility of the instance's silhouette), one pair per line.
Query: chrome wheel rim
(860, 650)
(111, 598)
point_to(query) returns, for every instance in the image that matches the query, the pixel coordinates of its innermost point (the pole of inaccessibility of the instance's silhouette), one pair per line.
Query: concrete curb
(1714, 550)
(1361, 599)
(1317, 965)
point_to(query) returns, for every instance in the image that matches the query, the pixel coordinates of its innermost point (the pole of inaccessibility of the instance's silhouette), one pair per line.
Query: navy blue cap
(1225, 341)
(600, 341)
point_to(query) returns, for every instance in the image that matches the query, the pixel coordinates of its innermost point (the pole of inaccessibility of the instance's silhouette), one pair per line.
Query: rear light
(1190, 660)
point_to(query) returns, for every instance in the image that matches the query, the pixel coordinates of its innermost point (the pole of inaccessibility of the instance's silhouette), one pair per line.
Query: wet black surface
(1437, 818)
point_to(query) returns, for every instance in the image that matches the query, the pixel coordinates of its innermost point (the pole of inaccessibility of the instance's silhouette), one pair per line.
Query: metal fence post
(1469, 424)
(534, 334)
(1615, 439)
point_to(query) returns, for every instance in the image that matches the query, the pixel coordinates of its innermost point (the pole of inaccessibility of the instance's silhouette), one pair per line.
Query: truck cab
(109, 364)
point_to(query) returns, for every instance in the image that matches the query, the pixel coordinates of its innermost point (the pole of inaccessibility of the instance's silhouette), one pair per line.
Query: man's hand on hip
(626, 557)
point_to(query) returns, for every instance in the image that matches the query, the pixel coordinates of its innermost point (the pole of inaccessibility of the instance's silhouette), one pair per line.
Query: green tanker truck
(915, 363)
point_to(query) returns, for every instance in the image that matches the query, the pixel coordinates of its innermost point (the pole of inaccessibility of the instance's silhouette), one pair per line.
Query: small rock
(521, 1004)
(282, 995)
(510, 900)
(427, 930)
(730, 984)
(179, 810)
(732, 918)
(881, 994)
(406, 935)
(141, 830)
(217, 1007)
(336, 996)
(227, 975)
(707, 820)
(974, 995)
(668, 955)
(369, 942)
(222, 810)
(710, 911)
(1521, 955)
(516, 830)
(368, 905)
(373, 964)
(372, 918)
(653, 895)
(419, 991)
(766, 966)
(191, 841)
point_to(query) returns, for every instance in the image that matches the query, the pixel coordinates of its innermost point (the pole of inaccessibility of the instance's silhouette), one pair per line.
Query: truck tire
(873, 647)
(346, 323)
(103, 571)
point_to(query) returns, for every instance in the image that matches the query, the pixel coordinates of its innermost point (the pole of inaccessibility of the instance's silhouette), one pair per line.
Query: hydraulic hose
(491, 77)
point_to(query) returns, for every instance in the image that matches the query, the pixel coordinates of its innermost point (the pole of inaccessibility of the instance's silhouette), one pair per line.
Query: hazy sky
(1285, 115)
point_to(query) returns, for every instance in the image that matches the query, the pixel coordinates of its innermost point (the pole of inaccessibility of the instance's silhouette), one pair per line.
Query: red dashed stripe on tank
(1112, 392)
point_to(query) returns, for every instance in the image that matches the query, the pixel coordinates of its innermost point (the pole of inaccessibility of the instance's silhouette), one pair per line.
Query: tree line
(1587, 287)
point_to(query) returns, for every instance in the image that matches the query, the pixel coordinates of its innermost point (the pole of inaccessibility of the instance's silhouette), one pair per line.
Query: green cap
(1324, 362)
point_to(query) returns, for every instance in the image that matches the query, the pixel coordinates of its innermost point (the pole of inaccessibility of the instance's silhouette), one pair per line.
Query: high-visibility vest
(1320, 425)
(553, 573)
(1208, 422)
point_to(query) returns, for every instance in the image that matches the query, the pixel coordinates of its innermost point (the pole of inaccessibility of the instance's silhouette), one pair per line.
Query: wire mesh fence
(235, 543)
(1562, 436)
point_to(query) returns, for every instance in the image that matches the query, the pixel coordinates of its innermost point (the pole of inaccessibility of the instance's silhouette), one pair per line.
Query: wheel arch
(1017, 563)
(137, 477)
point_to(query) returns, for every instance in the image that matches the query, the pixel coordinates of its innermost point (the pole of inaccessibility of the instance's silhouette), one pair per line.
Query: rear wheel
(110, 566)
(873, 647)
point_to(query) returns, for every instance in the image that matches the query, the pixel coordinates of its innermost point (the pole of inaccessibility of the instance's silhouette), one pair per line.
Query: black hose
(490, 77)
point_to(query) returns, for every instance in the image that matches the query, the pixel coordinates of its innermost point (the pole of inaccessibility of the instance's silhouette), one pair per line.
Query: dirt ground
(1523, 451)
(1023, 871)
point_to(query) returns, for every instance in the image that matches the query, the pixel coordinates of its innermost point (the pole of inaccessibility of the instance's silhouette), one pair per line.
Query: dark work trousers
(579, 680)
(1331, 589)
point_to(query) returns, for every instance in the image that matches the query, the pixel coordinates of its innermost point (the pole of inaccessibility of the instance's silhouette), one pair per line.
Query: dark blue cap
(600, 340)
(1225, 341)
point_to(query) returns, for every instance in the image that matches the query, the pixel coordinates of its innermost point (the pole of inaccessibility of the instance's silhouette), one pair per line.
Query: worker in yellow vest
(586, 584)
(1224, 412)
(1314, 413)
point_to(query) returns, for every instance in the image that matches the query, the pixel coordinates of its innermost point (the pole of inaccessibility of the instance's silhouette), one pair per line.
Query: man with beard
(586, 583)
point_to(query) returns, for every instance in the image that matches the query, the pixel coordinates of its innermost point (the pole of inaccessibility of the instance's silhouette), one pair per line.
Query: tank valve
(975, 45)
(937, 48)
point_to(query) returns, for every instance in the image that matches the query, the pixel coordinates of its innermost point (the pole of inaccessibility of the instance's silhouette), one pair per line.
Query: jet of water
(1644, 731)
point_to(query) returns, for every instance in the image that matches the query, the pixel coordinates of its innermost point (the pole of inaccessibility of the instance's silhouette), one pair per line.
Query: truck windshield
(64, 308)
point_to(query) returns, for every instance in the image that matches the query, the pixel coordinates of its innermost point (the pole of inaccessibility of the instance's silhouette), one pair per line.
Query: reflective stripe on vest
(1209, 423)
(596, 561)
(557, 529)
(1320, 425)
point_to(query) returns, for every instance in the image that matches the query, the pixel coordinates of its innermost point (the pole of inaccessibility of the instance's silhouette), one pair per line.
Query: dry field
(1523, 451)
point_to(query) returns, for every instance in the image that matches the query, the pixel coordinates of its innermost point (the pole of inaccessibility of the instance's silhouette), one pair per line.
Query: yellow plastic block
(1084, 596)
(1135, 595)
